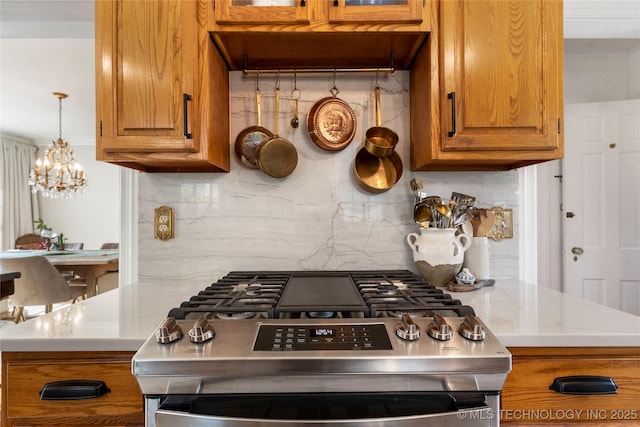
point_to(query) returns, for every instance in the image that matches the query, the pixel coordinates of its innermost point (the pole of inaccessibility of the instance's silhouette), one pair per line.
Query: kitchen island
(550, 334)
(518, 313)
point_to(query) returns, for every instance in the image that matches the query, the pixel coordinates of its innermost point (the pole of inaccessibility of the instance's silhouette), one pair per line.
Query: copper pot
(250, 138)
(277, 157)
(331, 123)
(380, 141)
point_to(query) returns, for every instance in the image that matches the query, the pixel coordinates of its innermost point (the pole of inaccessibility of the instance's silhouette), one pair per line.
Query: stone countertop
(117, 320)
(525, 315)
(520, 315)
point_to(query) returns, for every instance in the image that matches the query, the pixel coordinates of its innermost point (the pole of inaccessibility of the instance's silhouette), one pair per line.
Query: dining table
(86, 264)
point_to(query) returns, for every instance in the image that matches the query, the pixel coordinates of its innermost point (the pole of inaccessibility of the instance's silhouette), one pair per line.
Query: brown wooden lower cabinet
(527, 399)
(25, 373)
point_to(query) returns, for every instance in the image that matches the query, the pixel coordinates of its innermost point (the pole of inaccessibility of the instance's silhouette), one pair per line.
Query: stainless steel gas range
(317, 348)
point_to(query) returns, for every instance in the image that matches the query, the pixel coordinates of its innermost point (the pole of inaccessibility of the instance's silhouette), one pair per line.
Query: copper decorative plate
(331, 123)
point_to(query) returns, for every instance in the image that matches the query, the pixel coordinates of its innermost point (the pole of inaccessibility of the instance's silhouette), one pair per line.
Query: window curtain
(19, 207)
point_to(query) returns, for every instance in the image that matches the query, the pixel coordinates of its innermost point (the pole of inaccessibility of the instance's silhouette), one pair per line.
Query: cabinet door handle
(303, 3)
(335, 3)
(73, 390)
(452, 97)
(185, 115)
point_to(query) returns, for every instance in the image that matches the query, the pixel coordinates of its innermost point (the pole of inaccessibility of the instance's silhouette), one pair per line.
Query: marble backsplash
(317, 217)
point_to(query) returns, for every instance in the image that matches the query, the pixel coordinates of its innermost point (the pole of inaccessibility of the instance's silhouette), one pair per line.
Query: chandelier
(59, 176)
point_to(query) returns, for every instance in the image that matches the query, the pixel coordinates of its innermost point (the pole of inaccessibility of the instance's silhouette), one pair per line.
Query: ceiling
(47, 46)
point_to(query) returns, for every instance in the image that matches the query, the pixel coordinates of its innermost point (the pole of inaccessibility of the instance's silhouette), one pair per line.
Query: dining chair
(107, 281)
(73, 246)
(40, 283)
(30, 241)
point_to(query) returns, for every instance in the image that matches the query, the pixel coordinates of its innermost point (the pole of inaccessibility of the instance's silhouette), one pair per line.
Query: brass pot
(277, 157)
(376, 174)
(250, 138)
(380, 141)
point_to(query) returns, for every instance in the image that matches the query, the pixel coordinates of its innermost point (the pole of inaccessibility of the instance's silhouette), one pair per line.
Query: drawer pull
(73, 389)
(584, 384)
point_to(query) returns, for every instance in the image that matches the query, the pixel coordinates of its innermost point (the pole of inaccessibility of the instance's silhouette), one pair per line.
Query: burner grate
(281, 294)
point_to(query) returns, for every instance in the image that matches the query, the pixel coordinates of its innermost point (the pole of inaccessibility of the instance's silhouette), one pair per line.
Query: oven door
(330, 409)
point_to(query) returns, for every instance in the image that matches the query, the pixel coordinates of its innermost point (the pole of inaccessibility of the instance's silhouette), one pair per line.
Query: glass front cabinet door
(399, 11)
(263, 11)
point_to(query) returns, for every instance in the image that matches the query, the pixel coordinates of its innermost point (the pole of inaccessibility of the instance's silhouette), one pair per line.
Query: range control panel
(322, 337)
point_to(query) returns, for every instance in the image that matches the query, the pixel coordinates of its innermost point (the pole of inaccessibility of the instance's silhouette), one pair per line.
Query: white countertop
(118, 320)
(525, 315)
(519, 314)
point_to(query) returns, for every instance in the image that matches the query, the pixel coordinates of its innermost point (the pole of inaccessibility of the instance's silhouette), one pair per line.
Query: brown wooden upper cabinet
(272, 34)
(162, 88)
(495, 92)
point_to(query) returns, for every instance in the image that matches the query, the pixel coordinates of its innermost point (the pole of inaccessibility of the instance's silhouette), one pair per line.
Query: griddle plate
(321, 291)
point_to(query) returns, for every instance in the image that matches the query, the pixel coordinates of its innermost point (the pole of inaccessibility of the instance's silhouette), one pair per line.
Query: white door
(601, 200)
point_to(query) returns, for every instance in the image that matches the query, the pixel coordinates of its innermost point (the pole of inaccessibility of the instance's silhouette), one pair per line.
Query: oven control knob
(202, 331)
(440, 329)
(168, 331)
(471, 328)
(406, 329)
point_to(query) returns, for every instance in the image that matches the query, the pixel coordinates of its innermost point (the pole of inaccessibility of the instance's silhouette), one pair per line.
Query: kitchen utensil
(433, 200)
(476, 219)
(416, 189)
(461, 202)
(250, 138)
(331, 122)
(277, 157)
(461, 218)
(422, 215)
(443, 215)
(295, 96)
(376, 174)
(380, 141)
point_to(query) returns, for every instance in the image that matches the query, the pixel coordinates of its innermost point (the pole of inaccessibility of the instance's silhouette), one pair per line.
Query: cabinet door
(263, 11)
(383, 11)
(501, 75)
(148, 58)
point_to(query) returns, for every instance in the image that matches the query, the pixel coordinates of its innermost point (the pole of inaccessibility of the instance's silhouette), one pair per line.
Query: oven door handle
(478, 417)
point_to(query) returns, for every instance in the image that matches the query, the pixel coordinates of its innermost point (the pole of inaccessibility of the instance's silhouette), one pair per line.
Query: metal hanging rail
(388, 69)
(320, 70)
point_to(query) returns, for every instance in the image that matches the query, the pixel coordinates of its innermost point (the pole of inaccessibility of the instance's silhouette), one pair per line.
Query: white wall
(601, 74)
(94, 217)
